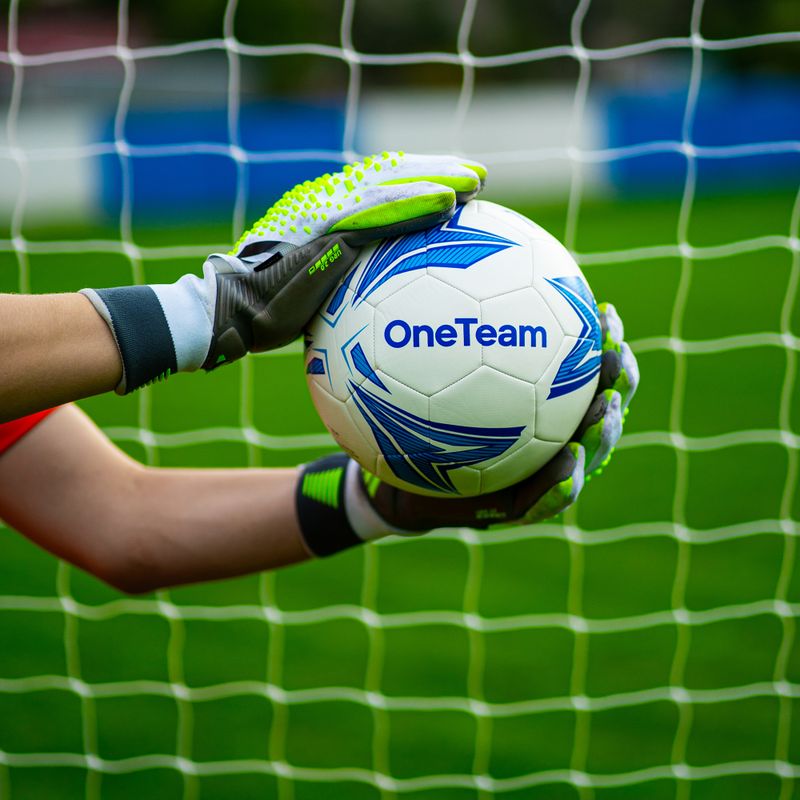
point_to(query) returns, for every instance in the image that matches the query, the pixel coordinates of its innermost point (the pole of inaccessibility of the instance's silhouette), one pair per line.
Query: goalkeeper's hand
(263, 293)
(368, 508)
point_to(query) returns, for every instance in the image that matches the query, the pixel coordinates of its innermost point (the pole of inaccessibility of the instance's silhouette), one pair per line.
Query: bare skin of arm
(140, 528)
(55, 348)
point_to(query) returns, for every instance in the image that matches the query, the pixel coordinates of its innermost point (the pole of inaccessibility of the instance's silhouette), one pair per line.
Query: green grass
(538, 574)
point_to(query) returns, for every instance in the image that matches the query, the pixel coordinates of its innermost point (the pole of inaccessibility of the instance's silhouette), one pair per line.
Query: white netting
(782, 760)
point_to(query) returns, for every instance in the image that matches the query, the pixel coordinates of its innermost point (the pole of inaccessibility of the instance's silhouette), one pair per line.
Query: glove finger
(593, 415)
(601, 436)
(379, 194)
(611, 324)
(610, 368)
(466, 178)
(564, 493)
(628, 380)
(415, 513)
(386, 211)
(388, 167)
(465, 195)
(476, 166)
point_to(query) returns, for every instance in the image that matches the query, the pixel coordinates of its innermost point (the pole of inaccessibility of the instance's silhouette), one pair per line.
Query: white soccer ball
(460, 359)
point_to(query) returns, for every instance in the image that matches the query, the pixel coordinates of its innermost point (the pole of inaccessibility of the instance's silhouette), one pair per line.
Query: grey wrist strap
(141, 332)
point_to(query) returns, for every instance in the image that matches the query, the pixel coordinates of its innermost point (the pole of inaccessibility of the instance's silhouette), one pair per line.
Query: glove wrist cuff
(320, 496)
(188, 311)
(333, 509)
(141, 332)
(159, 329)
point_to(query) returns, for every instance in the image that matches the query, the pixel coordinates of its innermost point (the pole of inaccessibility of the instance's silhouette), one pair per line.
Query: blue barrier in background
(727, 113)
(188, 186)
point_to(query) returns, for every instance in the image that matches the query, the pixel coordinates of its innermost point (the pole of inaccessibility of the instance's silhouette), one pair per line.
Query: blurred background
(516, 107)
(645, 645)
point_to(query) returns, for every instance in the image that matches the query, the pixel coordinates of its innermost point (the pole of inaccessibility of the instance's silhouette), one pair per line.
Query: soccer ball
(458, 360)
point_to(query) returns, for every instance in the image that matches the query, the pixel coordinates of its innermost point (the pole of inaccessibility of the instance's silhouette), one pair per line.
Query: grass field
(519, 621)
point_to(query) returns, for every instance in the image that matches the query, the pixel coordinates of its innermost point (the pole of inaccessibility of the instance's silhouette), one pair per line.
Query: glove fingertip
(630, 370)
(477, 168)
(600, 440)
(561, 496)
(576, 448)
(614, 329)
(610, 368)
(571, 487)
(603, 465)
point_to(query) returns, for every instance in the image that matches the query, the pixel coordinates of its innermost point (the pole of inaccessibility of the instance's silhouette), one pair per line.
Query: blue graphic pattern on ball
(315, 367)
(406, 441)
(582, 363)
(450, 245)
(422, 452)
(419, 451)
(361, 363)
(395, 338)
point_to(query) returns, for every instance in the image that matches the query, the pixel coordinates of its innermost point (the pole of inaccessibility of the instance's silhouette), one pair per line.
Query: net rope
(469, 618)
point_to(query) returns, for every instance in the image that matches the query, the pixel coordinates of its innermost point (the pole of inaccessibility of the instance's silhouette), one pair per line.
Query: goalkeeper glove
(339, 504)
(263, 293)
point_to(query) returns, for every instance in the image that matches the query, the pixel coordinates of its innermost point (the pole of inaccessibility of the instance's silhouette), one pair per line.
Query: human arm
(260, 295)
(72, 492)
(55, 349)
(67, 488)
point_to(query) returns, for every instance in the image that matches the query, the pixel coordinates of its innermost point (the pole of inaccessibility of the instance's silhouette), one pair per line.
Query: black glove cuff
(141, 331)
(320, 503)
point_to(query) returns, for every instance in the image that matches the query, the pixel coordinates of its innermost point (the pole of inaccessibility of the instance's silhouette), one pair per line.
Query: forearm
(197, 525)
(67, 488)
(53, 349)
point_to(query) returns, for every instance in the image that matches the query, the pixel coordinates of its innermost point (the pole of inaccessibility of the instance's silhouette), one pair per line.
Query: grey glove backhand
(367, 508)
(262, 294)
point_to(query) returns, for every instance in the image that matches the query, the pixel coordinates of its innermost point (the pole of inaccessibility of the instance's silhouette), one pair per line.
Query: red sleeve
(11, 432)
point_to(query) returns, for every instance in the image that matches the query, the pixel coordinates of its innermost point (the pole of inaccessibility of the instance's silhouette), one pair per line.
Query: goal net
(643, 645)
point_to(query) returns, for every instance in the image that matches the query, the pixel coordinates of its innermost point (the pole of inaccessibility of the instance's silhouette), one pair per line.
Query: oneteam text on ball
(464, 331)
